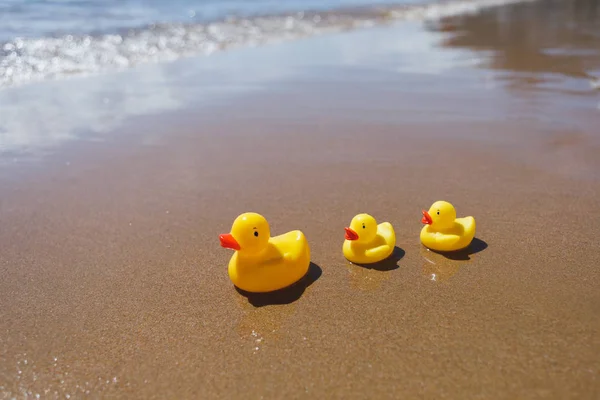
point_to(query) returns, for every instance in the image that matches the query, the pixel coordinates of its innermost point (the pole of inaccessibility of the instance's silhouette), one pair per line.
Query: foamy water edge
(33, 60)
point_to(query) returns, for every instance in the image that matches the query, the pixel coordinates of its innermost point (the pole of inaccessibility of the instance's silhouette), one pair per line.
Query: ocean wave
(24, 60)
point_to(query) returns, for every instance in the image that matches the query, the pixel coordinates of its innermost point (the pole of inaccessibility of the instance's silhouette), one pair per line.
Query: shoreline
(33, 59)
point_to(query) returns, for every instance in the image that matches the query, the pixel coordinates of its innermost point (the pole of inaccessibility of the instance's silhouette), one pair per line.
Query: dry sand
(114, 284)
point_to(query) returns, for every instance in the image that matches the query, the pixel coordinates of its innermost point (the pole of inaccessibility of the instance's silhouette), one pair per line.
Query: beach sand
(113, 283)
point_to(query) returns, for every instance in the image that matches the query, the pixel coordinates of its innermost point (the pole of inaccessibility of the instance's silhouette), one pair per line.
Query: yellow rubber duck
(262, 263)
(366, 242)
(443, 231)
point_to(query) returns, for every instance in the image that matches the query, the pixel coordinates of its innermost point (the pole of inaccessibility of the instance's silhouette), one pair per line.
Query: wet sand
(114, 284)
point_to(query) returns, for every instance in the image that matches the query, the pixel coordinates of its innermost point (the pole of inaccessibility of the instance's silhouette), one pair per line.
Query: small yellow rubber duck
(366, 242)
(262, 263)
(443, 231)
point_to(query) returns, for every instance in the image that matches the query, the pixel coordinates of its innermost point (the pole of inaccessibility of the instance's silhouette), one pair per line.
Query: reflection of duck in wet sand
(259, 326)
(365, 279)
(438, 268)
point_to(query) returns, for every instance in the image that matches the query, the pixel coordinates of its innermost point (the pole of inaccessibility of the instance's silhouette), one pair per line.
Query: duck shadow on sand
(389, 264)
(286, 295)
(476, 246)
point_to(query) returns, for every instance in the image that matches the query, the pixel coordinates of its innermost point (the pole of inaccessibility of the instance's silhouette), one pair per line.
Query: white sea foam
(25, 60)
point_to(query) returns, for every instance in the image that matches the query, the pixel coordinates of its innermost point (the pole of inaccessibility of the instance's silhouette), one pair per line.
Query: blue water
(38, 18)
(52, 39)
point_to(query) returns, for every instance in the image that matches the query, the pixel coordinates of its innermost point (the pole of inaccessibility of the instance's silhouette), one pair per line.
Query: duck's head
(362, 229)
(250, 233)
(441, 215)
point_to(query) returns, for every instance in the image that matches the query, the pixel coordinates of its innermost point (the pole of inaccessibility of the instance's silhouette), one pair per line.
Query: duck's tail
(389, 233)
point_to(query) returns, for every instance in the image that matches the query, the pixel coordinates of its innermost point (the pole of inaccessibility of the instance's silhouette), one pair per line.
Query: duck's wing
(447, 240)
(378, 252)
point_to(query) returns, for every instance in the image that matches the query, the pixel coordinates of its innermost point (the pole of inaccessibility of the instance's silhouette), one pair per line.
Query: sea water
(52, 39)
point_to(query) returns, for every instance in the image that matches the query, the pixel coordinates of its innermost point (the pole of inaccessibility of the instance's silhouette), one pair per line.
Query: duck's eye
(438, 212)
(363, 226)
(255, 233)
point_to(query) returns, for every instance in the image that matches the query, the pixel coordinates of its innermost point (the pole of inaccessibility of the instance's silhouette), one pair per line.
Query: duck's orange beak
(426, 218)
(229, 242)
(351, 234)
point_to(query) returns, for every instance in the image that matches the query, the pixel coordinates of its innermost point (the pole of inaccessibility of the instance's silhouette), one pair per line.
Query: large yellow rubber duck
(443, 231)
(262, 263)
(366, 242)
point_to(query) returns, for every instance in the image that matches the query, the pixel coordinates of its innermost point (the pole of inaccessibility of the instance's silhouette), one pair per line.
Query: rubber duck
(366, 242)
(443, 231)
(262, 263)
